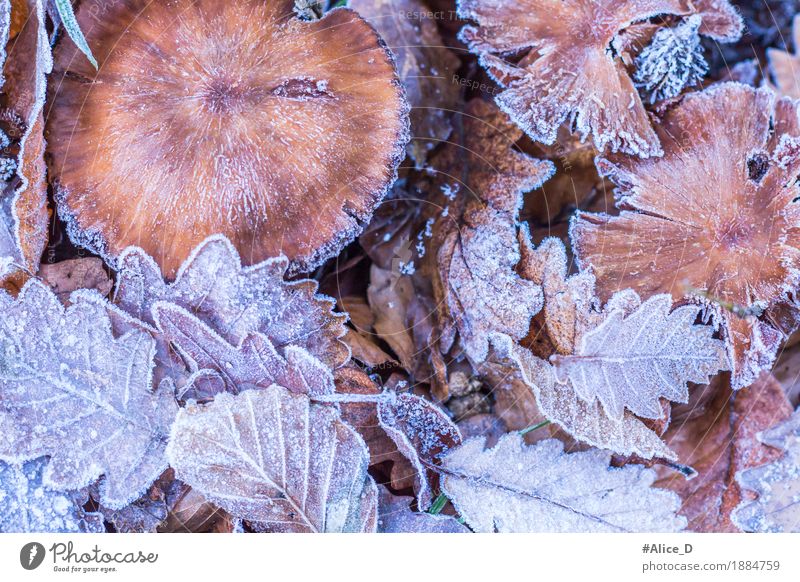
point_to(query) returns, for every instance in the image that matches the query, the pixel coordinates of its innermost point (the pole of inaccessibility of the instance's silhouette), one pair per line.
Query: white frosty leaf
(395, 516)
(631, 362)
(71, 390)
(253, 364)
(518, 488)
(585, 421)
(237, 301)
(273, 457)
(777, 484)
(28, 505)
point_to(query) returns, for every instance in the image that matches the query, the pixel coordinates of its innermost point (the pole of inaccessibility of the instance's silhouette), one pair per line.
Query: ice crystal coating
(273, 457)
(631, 361)
(71, 390)
(714, 219)
(217, 365)
(672, 61)
(23, 204)
(27, 505)
(517, 488)
(395, 516)
(237, 118)
(785, 67)
(422, 433)
(476, 260)
(568, 72)
(777, 484)
(236, 301)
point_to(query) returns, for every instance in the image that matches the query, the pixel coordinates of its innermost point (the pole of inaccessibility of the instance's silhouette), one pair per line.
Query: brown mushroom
(227, 117)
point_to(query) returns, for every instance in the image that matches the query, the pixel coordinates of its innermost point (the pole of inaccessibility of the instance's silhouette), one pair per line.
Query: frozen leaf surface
(217, 365)
(273, 457)
(632, 361)
(513, 487)
(564, 75)
(785, 67)
(27, 505)
(395, 516)
(478, 256)
(237, 118)
(236, 301)
(714, 219)
(777, 484)
(71, 390)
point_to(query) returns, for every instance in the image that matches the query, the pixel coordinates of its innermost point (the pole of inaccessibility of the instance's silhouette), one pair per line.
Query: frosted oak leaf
(777, 484)
(28, 505)
(513, 487)
(273, 457)
(72, 390)
(714, 219)
(557, 66)
(236, 118)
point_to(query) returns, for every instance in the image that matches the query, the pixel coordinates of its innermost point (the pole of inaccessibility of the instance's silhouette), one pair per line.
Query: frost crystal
(273, 457)
(517, 488)
(672, 61)
(71, 390)
(28, 505)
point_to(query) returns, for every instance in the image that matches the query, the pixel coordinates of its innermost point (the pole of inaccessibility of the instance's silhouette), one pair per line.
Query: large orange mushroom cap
(227, 117)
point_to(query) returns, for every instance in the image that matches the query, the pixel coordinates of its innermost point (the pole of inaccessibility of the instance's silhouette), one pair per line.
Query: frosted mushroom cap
(223, 117)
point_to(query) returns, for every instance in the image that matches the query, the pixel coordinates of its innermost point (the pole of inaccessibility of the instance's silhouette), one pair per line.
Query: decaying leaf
(425, 65)
(716, 436)
(191, 512)
(514, 487)
(27, 505)
(395, 516)
(777, 508)
(482, 292)
(785, 67)
(71, 390)
(24, 215)
(714, 219)
(631, 361)
(273, 457)
(283, 134)
(237, 301)
(68, 276)
(554, 72)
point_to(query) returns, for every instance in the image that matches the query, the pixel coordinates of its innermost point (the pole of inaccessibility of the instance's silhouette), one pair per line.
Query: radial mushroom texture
(714, 219)
(569, 72)
(227, 117)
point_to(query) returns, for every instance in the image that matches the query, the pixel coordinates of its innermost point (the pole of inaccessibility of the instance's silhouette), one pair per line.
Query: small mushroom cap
(227, 117)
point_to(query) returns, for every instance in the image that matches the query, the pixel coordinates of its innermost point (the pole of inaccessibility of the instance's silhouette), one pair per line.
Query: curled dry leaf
(514, 487)
(777, 484)
(718, 438)
(565, 75)
(425, 66)
(236, 301)
(785, 67)
(714, 219)
(217, 365)
(273, 457)
(238, 118)
(395, 516)
(73, 391)
(24, 214)
(28, 505)
(478, 252)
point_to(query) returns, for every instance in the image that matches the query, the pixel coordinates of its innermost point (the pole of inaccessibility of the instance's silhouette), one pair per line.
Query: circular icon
(31, 555)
